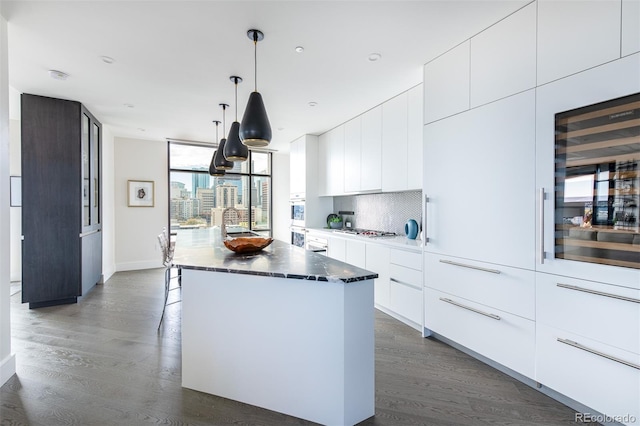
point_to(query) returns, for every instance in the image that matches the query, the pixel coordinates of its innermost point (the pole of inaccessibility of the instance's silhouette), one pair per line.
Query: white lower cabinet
(500, 336)
(356, 253)
(508, 289)
(337, 249)
(588, 343)
(607, 313)
(377, 260)
(590, 372)
(487, 308)
(405, 286)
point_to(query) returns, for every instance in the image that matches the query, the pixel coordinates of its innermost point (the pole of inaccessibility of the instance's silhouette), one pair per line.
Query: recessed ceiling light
(141, 129)
(58, 75)
(281, 128)
(299, 49)
(312, 104)
(107, 59)
(374, 57)
(129, 105)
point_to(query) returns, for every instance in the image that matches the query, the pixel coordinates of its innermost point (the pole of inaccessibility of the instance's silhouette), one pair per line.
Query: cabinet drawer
(406, 300)
(594, 380)
(505, 338)
(409, 259)
(508, 289)
(406, 276)
(602, 312)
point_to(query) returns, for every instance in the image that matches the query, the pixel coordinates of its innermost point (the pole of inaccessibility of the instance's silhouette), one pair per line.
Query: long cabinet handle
(541, 223)
(395, 280)
(599, 293)
(464, 265)
(595, 352)
(469, 308)
(424, 225)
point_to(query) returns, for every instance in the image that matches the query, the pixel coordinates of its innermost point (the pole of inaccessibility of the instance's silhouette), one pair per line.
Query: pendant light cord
(255, 61)
(236, 81)
(224, 121)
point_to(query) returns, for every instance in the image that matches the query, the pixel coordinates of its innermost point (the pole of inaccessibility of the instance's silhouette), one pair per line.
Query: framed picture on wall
(140, 193)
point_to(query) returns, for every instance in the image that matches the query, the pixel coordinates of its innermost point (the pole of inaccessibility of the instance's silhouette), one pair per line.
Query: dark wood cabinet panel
(53, 196)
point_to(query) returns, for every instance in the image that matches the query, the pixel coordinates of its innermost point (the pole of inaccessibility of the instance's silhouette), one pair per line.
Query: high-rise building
(205, 195)
(178, 190)
(199, 180)
(237, 182)
(226, 195)
(264, 194)
(184, 209)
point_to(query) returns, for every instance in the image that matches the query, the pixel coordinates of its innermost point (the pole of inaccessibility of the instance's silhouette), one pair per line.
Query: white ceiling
(173, 59)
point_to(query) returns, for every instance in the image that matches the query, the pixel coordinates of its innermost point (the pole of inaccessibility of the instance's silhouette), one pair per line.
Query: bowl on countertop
(246, 245)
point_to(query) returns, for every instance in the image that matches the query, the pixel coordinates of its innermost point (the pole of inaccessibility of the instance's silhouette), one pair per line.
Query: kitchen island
(284, 329)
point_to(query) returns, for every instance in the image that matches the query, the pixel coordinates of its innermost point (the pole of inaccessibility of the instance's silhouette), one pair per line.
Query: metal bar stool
(167, 260)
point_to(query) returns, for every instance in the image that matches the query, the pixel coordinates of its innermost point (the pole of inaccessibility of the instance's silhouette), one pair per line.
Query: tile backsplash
(382, 212)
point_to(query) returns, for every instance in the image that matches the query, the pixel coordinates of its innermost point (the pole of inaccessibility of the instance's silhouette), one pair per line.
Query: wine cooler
(597, 183)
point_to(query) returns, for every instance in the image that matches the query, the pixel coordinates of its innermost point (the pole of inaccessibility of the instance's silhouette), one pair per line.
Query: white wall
(137, 228)
(15, 219)
(280, 176)
(15, 169)
(108, 208)
(7, 358)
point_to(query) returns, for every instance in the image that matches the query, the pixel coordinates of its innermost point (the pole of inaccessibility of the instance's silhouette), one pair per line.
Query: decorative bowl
(245, 245)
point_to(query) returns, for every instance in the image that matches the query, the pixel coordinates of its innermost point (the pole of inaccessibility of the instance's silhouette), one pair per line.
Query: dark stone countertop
(203, 249)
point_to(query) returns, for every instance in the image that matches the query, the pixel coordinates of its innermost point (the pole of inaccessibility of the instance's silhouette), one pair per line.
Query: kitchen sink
(243, 234)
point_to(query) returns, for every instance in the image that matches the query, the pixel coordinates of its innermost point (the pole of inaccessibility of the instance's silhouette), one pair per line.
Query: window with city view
(198, 200)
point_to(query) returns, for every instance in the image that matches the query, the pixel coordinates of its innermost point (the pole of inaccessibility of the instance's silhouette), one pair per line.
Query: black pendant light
(234, 149)
(212, 167)
(219, 161)
(255, 130)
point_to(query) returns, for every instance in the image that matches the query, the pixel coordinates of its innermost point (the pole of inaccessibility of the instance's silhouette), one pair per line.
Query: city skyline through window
(198, 200)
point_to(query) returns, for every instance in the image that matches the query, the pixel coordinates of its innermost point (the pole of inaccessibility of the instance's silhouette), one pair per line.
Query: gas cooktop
(365, 232)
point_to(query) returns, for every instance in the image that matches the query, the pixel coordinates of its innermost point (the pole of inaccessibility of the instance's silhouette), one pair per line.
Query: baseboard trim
(107, 273)
(563, 399)
(135, 266)
(7, 368)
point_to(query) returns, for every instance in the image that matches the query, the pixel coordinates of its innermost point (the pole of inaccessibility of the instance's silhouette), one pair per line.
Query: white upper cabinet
(576, 35)
(363, 152)
(352, 154)
(630, 27)
(414, 137)
(446, 84)
(503, 58)
(331, 162)
(479, 175)
(394, 144)
(324, 164)
(371, 150)
(402, 141)
(297, 169)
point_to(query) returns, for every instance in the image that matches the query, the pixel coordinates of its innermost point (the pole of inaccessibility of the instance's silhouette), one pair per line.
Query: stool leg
(167, 278)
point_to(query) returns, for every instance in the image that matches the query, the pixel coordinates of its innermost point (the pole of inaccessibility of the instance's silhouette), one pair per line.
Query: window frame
(249, 175)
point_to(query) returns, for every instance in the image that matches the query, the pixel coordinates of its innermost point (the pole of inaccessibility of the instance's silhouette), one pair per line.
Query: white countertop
(399, 241)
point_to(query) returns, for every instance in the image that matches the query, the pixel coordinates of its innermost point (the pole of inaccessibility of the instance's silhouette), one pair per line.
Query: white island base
(299, 347)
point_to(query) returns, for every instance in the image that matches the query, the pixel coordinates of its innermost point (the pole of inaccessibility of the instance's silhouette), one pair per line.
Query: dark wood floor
(101, 362)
